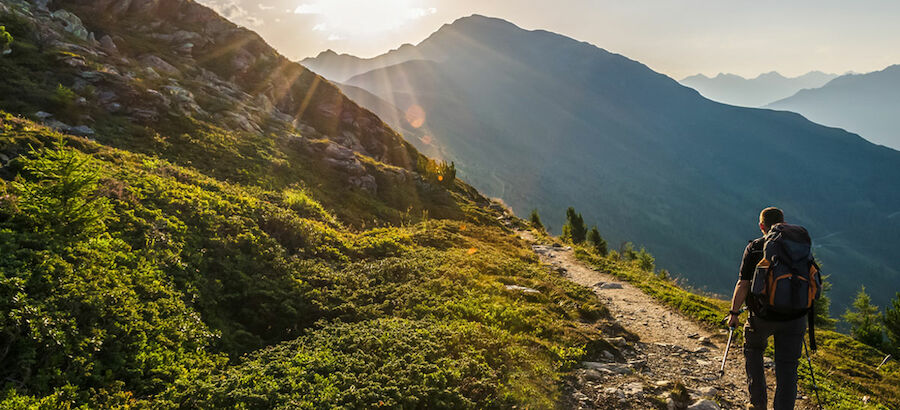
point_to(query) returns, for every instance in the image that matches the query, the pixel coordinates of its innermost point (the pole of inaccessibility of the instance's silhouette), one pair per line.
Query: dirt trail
(670, 348)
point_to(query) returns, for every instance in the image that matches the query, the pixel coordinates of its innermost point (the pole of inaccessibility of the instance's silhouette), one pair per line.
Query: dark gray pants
(788, 346)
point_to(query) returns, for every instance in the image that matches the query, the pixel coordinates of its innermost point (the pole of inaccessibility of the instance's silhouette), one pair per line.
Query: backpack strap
(811, 320)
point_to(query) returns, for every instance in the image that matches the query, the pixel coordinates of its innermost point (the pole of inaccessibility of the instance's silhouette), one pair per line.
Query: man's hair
(771, 216)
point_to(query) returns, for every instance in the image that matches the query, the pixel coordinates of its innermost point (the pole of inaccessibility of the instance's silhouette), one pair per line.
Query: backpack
(787, 281)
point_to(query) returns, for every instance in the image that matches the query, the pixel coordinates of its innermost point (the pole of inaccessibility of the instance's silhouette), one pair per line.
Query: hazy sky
(675, 37)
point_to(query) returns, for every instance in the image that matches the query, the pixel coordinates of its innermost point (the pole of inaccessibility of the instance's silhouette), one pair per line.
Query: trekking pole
(812, 374)
(727, 346)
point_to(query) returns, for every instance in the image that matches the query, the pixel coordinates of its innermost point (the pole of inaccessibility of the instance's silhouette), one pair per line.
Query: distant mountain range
(755, 92)
(868, 104)
(544, 121)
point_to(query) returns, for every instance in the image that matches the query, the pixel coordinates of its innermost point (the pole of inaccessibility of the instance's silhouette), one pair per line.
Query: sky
(676, 37)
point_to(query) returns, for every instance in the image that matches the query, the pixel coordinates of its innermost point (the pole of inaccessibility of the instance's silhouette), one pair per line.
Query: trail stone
(693, 336)
(708, 391)
(42, 115)
(663, 383)
(701, 349)
(593, 375)
(619, 342)
(704, 405)
(634, 388)
(580, 396)
(610, 285)
(611, 368)
(704, 340)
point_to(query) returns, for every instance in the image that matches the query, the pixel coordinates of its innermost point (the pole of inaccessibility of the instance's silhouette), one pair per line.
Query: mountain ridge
(862, 103)
(754, 92)
(580, 95)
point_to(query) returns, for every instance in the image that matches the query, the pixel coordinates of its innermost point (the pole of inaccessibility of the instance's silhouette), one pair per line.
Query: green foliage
(6, 39)
(628, 252)
(536, 221)
(891, 322)
(63, 98)
(865, 320)
(56, 192)
(182, 274)
(597, 242)
(645, 260)
(437, 172)
(574, 230)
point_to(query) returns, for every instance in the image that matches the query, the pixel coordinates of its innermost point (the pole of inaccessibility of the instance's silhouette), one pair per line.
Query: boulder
(72, 24)
(82, 131)
(108, 45)
(158, 64)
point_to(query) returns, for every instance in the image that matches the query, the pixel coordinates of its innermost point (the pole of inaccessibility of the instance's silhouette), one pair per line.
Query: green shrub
(6, 39)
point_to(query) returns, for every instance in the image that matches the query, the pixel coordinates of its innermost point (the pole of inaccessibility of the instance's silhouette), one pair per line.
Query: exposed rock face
(204, 67)
(72, 24)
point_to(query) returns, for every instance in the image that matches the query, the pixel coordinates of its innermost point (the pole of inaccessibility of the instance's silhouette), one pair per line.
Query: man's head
(769, 217)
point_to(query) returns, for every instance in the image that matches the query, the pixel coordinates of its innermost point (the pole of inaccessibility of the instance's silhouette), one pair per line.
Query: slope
(866, 104)
(188, 220)
(546, 122)
(754, 92)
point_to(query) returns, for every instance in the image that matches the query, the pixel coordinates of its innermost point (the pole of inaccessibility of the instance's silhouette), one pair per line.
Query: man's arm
(741, 289)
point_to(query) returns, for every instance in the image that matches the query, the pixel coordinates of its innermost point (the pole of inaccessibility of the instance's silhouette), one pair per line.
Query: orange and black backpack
(787, 281)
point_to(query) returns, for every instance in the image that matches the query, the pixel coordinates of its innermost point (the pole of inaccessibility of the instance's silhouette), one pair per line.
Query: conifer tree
(597, 242)
(892, 324)
(576, 231)
(865, 320)
(536, 220)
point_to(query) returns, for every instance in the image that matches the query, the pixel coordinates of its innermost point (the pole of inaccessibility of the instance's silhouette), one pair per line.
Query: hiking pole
(812, 374)
(727, 346)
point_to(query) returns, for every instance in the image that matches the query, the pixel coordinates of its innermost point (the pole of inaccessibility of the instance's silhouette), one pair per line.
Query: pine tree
(597, 242)
(646, 261)
(536, 220)
(64, 199)
(865, 320)
(576, 229)
(892, 324)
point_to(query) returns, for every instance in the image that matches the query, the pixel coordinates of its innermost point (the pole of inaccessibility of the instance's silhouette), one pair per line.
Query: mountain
(862, 103)
(755, 92)
(190, 220)
(544, 121)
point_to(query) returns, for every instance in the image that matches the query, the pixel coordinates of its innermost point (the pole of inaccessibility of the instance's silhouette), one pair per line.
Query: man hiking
(779, 281)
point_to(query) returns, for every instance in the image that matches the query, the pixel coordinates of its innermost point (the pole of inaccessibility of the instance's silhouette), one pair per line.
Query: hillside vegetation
(174, 235)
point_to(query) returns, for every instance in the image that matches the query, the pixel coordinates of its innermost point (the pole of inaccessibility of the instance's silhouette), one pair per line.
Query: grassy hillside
(134, 281)
(844, 368)
(230, 230)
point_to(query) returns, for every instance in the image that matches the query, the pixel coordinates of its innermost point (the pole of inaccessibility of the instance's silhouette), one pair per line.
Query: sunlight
(359, 17)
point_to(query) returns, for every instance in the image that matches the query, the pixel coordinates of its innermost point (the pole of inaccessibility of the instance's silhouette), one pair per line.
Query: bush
(597, 242)
(574, 230)
(6, 39)
(536, 220)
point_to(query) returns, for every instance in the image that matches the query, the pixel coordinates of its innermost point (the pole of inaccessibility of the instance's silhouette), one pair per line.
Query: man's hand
(733, 320)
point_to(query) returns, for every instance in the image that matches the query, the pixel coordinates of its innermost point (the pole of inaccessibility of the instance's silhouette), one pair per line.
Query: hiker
(780, 305)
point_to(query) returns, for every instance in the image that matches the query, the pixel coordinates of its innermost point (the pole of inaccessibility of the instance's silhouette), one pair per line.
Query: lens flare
(415, 116)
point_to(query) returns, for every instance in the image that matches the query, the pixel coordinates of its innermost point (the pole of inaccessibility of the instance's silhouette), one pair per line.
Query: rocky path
(663, 350)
